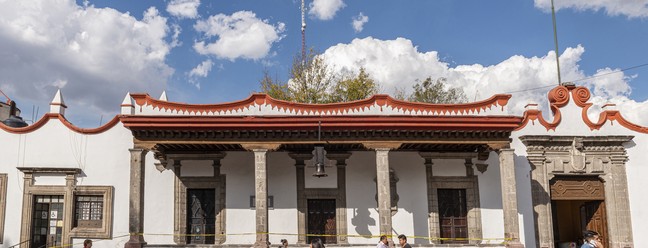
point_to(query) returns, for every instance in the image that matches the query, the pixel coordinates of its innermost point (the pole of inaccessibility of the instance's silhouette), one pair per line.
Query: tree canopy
(436, 91)
(313, 81)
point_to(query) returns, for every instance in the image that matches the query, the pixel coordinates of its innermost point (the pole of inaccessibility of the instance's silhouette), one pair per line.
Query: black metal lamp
(319, 155)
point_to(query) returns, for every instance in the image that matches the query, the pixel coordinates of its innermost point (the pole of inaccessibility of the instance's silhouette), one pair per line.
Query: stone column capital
(258, 147)
(138, 150)
(505, 150)
(382, 146)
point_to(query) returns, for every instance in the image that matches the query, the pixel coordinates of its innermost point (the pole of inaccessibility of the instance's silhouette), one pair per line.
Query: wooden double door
(321, 220)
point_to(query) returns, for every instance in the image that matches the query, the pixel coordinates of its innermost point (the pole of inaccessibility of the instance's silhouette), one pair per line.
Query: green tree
(430, 91)
(354, 88)
(312, 81)
(274, 88)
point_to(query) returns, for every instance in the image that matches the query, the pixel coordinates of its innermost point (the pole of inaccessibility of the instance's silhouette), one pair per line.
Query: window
(88, 211)
(453, 215)
(92, 212)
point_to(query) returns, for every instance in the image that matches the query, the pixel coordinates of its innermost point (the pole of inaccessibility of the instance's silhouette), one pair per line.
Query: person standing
(402, 240)
(383, 243)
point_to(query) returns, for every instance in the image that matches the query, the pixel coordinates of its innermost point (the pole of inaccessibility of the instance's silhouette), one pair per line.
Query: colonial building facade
(255, 171)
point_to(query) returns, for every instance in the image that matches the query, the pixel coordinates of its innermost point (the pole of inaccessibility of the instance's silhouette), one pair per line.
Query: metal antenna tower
(303, 32)
(553, 16)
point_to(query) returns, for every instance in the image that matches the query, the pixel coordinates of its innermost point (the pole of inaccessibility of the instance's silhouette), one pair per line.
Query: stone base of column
(261, 244)
(514, 244)
(135, 242)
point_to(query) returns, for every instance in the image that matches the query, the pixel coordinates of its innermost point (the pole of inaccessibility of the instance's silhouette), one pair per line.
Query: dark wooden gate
(201, 218)
(453, 215)
(321, 220)
(593, 218)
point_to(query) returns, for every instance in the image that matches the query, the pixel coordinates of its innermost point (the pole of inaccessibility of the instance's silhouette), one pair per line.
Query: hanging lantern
(319, 154)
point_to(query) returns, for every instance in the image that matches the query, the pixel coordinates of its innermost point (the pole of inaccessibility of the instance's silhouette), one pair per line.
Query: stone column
(340, 201)
(261, 196)
(300, 159)
(617, 201)
(541, 199)
(384, 193)
(180, 205)
(509, 198)
(218, 203)
(433, 216)
(136, 201)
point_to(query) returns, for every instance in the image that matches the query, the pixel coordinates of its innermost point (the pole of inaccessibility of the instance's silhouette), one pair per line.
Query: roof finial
(127, 106)
(163, 97)
(57, 106)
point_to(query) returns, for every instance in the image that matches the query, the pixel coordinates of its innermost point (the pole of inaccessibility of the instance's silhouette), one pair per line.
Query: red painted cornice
(327, 122)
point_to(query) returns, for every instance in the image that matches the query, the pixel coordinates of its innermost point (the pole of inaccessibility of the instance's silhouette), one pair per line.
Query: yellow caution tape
(503, 240)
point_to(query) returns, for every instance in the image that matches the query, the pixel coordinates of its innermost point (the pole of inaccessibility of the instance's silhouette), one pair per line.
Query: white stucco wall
(104, 159)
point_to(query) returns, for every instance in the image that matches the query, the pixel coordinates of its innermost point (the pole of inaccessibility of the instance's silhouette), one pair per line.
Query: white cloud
(359, 22)
(398, 64)
(241, 35)
(202, 70)
(95, 54)
(183, 8)
(630, 8)
(325, 9)
(175, 42)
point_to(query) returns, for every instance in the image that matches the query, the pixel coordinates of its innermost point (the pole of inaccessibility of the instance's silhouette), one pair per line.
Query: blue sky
(97, 51)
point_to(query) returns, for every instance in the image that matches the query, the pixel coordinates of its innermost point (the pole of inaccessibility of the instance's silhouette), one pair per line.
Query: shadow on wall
(490, 187)
(525, 196)
(420, 219)
(361, 220)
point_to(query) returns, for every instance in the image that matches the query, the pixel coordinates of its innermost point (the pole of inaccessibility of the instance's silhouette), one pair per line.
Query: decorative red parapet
(65, 122)
(324, 109)
(559, 97)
